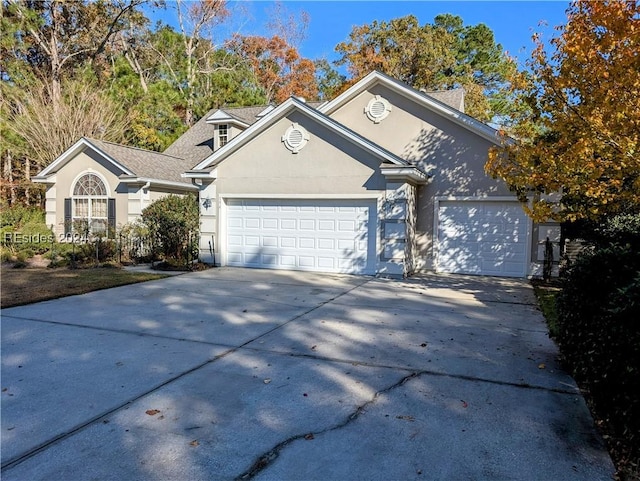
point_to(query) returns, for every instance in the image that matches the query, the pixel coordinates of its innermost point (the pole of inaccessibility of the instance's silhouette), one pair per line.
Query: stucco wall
(453, 155)
(131, 199)
(324, 166)
(82, 163)
(328, 166)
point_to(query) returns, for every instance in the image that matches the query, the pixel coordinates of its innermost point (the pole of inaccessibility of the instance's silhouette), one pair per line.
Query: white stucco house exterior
(381, 180)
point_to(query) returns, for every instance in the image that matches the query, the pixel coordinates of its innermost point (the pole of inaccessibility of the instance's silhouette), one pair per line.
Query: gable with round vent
(377, 109)
(295, 138)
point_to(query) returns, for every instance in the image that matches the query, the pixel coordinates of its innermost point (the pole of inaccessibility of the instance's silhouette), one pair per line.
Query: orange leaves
(278, 66)
(586, 92)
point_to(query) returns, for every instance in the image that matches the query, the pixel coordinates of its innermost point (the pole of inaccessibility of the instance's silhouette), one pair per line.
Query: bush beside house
(598, 331)
(173, 223)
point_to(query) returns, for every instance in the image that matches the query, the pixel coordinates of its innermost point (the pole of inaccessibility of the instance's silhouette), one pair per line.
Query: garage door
(485, 238)
(310, 235)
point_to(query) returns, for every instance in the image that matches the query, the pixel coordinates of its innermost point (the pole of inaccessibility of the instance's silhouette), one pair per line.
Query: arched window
(90, 211)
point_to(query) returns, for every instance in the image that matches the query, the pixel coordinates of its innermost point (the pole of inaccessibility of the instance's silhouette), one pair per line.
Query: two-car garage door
(474, 237)
(482, 237)
(312, 235)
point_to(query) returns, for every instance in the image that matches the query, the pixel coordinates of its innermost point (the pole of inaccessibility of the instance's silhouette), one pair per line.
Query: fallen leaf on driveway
(267, 381)
(406, 418)
(464, 403)
(194, 443)
(152, 412)
(309, 436)
(541, 365)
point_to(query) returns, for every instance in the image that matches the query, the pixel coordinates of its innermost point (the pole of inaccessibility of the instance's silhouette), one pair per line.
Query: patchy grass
(28, 285)
(546, 293)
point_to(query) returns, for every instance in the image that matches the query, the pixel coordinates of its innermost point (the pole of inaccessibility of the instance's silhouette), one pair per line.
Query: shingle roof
(197, 143)
(453, 98)
(145, 163)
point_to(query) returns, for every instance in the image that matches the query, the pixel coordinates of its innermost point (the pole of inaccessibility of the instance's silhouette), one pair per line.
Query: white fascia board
(265, 111)
(198, 174)
(280, 111)
(328, 107)
(165, 183)
(221, 117)
(464, 120)
(74, 150)
(406, 172)
(46, 179)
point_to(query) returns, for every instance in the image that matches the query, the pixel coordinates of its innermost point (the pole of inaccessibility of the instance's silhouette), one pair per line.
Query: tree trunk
(8, 175)
(27, 180)
(54, 53)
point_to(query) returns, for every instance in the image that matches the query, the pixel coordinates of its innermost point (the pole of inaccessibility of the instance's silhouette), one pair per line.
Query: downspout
(145, 186)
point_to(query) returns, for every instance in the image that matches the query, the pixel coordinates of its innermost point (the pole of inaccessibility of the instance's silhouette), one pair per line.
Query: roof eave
(407, 173)
(132, 179)
(199, 174)
(44, 179)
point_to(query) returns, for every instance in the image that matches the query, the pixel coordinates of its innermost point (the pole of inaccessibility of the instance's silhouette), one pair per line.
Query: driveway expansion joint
(15, 460)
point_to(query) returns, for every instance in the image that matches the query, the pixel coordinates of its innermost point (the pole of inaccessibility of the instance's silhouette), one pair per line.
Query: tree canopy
(441, 55)
(99, 68)
(576, 154)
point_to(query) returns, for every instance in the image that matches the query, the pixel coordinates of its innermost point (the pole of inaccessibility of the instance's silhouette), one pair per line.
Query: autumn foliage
(576, 154)
(279, 69)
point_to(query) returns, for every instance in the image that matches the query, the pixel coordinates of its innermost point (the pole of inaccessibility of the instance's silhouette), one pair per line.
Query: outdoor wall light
(206, 203)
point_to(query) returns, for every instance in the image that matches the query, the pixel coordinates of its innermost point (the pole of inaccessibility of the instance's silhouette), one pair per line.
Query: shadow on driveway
(251, 374)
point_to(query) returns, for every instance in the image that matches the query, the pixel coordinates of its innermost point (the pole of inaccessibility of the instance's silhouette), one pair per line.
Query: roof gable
(290, 105)
(74, 150)
(432, 101)
(133, 162)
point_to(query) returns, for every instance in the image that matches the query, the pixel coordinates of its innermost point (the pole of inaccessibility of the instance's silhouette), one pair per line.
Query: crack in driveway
(264, 460)
(268, 457)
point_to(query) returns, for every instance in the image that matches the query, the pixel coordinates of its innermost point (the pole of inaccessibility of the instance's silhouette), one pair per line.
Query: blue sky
(513, 22)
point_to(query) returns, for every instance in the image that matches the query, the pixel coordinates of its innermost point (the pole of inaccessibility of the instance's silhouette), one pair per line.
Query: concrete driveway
(250, 374)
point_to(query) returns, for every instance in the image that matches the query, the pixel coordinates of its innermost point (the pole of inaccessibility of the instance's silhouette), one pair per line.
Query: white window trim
(226, 135)
(90, 198)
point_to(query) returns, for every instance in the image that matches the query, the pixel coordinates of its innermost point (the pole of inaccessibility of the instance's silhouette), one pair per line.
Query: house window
(223, 134)
(89, 205)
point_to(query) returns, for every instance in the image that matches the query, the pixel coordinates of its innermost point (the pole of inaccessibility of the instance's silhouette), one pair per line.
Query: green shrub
(599, 329)
(23, 230)
(19, 215)
(173, 223)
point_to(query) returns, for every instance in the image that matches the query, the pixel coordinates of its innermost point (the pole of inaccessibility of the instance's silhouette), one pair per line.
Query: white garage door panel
(315, 235)
(485, 238)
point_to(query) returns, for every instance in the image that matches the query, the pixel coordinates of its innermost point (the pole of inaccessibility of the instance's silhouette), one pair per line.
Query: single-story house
(381, 180)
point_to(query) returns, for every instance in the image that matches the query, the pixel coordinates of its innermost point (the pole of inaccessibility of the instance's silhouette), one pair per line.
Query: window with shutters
(377, 109)
(90, 205)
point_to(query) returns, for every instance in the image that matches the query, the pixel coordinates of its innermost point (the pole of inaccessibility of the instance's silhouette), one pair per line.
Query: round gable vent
(377, 109)
(295, 138)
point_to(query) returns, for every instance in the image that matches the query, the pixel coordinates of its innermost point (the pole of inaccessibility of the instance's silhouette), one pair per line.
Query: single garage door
(484, 238)
(310, 235)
